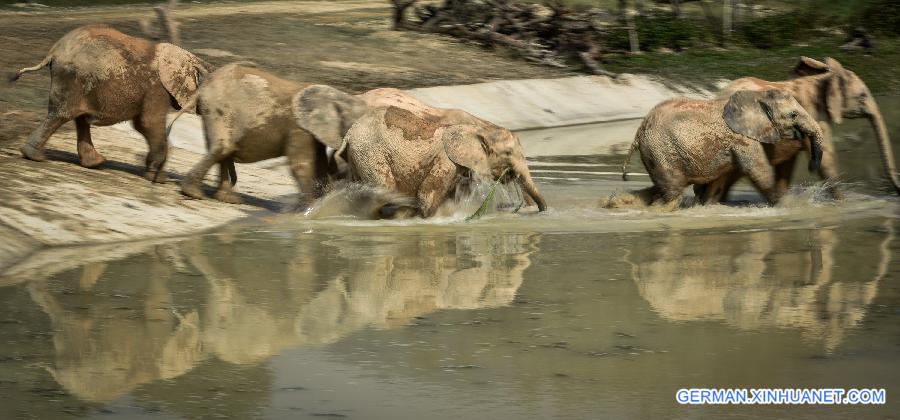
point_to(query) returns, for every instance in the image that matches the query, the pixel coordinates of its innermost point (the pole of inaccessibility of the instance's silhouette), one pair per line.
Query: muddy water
(576, 313)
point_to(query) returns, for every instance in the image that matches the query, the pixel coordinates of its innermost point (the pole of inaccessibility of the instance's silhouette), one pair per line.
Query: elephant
(101, 76)
(250, 115)
(694, 141)
(418, 154)
(353, 200)
(829, 93)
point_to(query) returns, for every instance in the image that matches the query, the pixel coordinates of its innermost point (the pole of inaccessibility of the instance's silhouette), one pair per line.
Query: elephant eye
(793, 115)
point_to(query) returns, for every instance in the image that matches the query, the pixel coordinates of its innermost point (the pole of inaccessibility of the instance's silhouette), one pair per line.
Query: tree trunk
(676, 8)
(639, 7)
(711, 19)
(727, 10)
(633, 44)
(400, 7)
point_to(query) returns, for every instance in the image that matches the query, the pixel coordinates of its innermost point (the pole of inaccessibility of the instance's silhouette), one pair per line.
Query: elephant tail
(40, 65)
(627, 160)
(192, 103)
(229, 167)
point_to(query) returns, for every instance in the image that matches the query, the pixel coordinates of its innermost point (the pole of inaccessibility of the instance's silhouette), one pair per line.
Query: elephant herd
(427, 157)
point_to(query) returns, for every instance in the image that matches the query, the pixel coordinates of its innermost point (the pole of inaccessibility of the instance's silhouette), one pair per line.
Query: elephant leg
(34, 147)
(668, 198)
(667, 189)
(225, 192)
(308, 163)
(435, 187)
(152, 125)
(717, 190)
(220, 148)
(755, 165)
(828, 169)
(784, 172)
(88, 155)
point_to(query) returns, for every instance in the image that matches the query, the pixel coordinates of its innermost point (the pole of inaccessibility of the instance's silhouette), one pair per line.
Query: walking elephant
(101, 76)
(251, 115)
(687, 141)
(420, 155)
(829, 93)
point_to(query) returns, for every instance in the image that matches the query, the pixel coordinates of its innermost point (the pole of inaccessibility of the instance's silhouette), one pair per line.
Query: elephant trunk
(527, 184)
(814, 133)
(884, 144)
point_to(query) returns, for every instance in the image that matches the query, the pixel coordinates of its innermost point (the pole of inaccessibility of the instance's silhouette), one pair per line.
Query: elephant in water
(689, 141)
(433, 155)
(361, 201)
(251, 115)
(829, 93)
(101, 76)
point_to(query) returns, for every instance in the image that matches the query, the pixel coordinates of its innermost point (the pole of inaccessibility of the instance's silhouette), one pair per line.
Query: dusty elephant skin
(829, 93)
(100, 76)
(250, 115)
(414, 151)
(684, 142)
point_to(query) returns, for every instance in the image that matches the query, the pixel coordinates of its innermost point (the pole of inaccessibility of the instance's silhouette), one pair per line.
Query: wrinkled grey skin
(100, 76)
(251, 115)
(829, 93)
(361, 201)
(687, 141)
(422, 157)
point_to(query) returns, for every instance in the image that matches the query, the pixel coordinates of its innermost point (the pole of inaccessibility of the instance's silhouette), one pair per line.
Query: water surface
(575, 313)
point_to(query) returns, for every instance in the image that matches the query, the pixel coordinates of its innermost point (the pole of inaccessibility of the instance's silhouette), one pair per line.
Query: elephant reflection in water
(343, 285)
(762, 282)
(107, 345)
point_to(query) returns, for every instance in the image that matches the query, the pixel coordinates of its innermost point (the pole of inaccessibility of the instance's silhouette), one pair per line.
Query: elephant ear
(326, 113)
(750, 113)
(834, 92)
(808, 67)
(180, 72)
(466, 146)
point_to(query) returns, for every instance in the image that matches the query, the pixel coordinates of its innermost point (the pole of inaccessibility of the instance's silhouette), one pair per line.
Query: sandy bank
(58, 203)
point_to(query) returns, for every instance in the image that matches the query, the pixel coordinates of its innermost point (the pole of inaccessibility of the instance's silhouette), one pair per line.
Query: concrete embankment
(562, 116)
(544, 103)
(59, 203)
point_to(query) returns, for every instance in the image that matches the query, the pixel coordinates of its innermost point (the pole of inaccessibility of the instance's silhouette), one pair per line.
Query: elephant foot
(157, 177)
(33, 153)
(92, 159)
(301, 206)
(836, 193)
(228, 197)
(192, 189)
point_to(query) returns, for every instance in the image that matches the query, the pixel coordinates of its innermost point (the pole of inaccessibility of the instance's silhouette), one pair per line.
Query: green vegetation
(765, 46)
(702, 65)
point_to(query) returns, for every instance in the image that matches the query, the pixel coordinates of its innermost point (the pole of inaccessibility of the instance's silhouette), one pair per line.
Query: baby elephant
(418, 155)
(687, 141)
(100, 76)
(250, 115)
